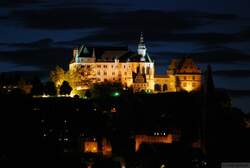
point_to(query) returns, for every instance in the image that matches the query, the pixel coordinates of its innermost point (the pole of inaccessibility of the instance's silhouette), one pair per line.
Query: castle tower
(142, 50)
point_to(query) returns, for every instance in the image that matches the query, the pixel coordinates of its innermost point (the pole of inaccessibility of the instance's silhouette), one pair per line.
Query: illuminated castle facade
(136, 70)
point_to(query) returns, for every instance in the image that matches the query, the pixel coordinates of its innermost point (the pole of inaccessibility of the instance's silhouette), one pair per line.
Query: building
(152, 139)
(136, 70)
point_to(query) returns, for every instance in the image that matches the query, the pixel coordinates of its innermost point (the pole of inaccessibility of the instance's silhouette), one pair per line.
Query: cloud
(238, 93)
(87, 16)
(60, 18)
(45, 58)
(43, 43)
(238, 73)
(157, 25)
(219, 55)
(121, 25)
(12, 3)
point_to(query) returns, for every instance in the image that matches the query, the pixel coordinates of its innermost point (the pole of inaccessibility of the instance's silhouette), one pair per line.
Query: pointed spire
(141, 38)
(85, 50)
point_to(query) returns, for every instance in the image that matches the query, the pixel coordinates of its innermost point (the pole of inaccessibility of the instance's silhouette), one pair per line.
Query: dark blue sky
(39, 34)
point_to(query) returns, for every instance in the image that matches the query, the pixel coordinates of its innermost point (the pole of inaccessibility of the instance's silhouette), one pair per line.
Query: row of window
(189, 78)
(113, 73)
(112, 66)
(185, 84)
(105, 79)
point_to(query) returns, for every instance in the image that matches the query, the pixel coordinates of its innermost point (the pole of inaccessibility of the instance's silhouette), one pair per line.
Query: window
(113, 73)
(184, 84)
(105, 66)
(98, 72)
(125, 73)
(105, 73)
(185, 78)
(193, 77)
(124, 66)
(193, 84)
(98, 66)
(165, 87)
(157, 87)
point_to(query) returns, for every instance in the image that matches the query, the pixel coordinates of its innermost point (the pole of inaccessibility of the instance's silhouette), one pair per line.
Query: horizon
(38, 35)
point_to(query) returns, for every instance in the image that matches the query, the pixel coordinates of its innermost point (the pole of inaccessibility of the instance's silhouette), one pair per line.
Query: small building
(152, 139)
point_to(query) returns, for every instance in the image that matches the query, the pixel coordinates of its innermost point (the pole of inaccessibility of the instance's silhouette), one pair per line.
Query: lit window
(184, 84)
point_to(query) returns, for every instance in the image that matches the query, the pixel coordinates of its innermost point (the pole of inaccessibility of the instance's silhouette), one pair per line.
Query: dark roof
(106, 53)
(102, 52)
(185, 65)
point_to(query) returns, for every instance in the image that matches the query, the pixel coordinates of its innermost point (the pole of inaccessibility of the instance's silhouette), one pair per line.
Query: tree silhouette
(37, 87)
(50, 88)
(65, 88)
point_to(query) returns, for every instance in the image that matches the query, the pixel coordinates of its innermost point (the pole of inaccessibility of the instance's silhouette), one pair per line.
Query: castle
(136, 70)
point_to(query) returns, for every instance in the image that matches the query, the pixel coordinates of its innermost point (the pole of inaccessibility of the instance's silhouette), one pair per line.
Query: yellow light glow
(188, 87)
(90, 147)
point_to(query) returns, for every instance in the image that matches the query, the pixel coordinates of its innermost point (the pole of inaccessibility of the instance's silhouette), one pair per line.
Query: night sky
(39, 34)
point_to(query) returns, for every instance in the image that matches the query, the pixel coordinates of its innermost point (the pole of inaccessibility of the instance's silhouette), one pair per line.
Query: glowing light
(116, 94)
(90, 147)
(139, 139)
(188, 87)
(79, 88)
(113, 110)
(45, 96)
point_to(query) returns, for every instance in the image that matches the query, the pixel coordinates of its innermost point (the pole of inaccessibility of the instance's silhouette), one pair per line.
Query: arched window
(157, 87)
(165, 87)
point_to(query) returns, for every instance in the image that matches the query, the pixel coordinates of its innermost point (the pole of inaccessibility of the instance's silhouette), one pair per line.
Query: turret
(75, 53)
(142, 50)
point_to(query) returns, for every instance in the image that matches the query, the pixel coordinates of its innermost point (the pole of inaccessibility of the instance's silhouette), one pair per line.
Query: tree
(50, 88)
(65, 88)
(57, 76)
(81, 76)
(37, 87)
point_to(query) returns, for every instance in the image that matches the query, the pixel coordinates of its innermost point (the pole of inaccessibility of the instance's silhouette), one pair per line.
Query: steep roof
(187, 65)
(183, 66)
(106, 53)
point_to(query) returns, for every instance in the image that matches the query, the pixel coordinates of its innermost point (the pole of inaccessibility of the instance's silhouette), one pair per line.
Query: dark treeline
(34, 129)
